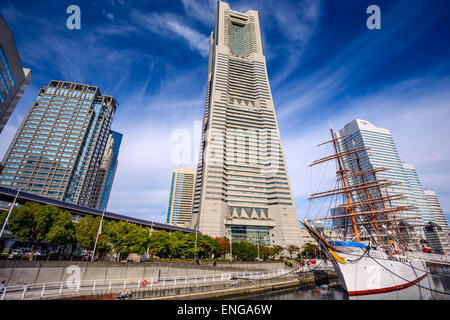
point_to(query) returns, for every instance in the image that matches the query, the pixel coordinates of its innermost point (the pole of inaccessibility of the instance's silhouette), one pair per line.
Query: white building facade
(242, 185)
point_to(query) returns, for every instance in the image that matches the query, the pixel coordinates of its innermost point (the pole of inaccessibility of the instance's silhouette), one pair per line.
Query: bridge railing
(83, 286)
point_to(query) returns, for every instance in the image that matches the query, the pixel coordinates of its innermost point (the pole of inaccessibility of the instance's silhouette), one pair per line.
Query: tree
(292, 249)
(277, 249)
(86, 232)
(310, 251)
(176, 244)
(32, 222)
(224, 245)
(245, 251)
(208, 247)
(62, 230)
(127, 237)
(159, 243)
(265, 252)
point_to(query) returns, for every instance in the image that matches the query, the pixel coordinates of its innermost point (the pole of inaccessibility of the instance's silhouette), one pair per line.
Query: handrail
(64, 287)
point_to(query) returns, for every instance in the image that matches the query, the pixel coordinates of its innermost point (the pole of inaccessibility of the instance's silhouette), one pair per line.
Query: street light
(98, 233)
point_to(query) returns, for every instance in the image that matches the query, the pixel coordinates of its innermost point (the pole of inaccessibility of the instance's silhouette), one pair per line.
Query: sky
(325, 67)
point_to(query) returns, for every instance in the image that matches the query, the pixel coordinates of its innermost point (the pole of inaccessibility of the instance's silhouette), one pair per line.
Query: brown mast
(347, 193)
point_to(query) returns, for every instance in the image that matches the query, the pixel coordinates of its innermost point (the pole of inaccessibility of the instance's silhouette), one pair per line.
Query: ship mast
(347, 192)
(370, 201)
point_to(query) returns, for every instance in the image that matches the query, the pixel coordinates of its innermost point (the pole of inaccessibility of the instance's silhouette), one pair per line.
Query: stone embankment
(20, 272)
(222, 290)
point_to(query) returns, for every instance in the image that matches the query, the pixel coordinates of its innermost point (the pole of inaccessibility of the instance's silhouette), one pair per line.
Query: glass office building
(242, 184)
(58, 148)
(108, 168)
(382, 153)
(14, 79)
(181, 193)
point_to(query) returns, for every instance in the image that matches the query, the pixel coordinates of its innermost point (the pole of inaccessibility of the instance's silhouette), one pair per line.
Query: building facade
(382, 153)
(107, 170)
(58, 148)
(436, 210)
(181, 196)
(242, 185)
(14, 79)
(437, 238)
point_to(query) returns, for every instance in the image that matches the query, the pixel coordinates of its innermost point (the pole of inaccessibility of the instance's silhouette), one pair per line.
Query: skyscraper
(181, 195)
(58, 148)
(107, 170)
(14, 79)
(382, 154)
(436, 210)
(242, 184)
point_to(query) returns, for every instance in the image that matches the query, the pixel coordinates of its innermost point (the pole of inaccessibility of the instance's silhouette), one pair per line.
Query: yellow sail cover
(336, 256)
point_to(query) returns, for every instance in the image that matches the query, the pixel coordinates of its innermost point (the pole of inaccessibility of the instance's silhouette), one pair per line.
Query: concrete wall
(20, 272)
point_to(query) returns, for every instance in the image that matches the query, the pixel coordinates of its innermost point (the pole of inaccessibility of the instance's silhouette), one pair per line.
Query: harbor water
(438, 279)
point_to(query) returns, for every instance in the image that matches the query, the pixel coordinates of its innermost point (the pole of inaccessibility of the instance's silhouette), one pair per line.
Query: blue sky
(324, 66)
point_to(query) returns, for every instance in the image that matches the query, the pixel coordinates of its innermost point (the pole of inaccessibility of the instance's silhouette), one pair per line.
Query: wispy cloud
(415, 111)
(357, 60)
(170, 25)
(203, 10)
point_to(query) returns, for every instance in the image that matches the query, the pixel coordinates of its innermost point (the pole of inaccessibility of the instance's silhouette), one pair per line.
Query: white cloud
(170, 25)
(203, 10)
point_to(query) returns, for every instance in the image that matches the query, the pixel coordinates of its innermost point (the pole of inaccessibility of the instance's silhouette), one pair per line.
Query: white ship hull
(372, 275)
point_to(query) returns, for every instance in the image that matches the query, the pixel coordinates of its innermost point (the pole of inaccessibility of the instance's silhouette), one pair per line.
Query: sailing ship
(369, 240)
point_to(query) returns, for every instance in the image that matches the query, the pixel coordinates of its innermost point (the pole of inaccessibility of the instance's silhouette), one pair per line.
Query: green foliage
(310, 250)
(126, 238)
(86, 231)
(3, 215)
(32, 222)
(265, 252)
(245, 251)
(159, 243)
(62, 231)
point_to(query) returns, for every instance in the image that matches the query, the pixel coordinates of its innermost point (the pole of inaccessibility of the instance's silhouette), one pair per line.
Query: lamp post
(9, 213)
(98, 233)
(257, 233)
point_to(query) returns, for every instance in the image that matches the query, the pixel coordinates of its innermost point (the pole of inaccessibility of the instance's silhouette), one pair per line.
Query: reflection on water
(438, 279)
(323, 292)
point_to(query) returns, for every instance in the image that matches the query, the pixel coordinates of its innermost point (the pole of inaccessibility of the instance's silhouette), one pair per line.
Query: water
(438, 279)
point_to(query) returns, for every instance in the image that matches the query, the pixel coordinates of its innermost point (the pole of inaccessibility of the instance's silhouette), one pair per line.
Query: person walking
(25, 289)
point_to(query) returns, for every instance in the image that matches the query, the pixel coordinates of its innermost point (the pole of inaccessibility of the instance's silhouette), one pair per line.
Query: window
(5, 63)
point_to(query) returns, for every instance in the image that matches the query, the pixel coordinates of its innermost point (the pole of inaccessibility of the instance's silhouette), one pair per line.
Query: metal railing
(37, 290)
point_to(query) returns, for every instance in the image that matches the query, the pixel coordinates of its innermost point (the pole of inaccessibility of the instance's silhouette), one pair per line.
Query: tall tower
(13, 78)
(382, 153)
(58, 148)
(242, 184)
(181, 195)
